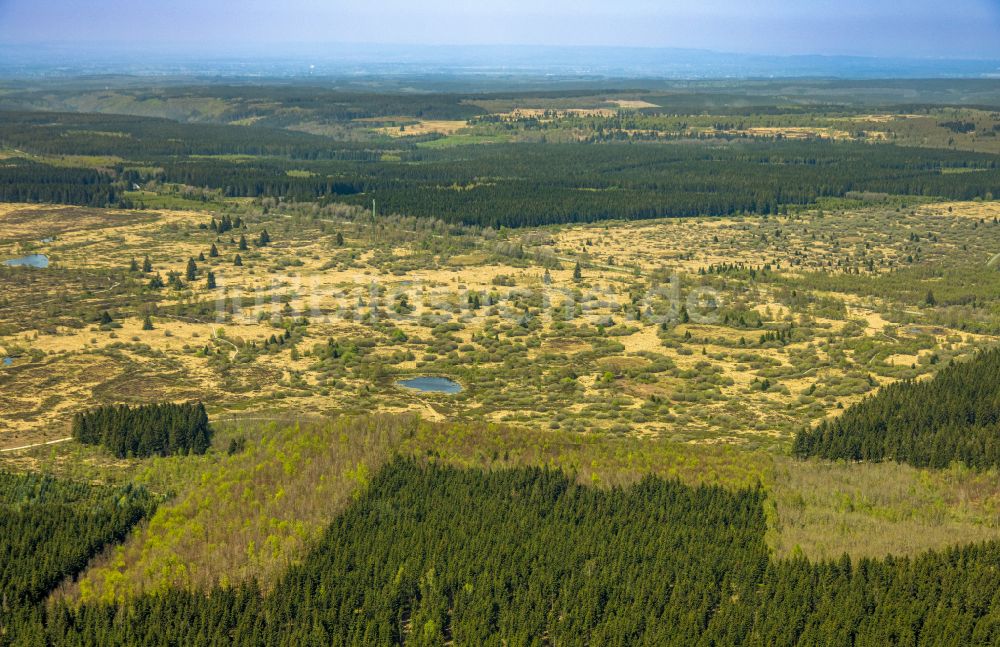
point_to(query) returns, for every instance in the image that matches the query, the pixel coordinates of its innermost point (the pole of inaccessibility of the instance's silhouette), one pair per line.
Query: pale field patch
(902, 359)
(976, 210)
(787, 132)
(539, 113)
(423, 127)
(633, 104)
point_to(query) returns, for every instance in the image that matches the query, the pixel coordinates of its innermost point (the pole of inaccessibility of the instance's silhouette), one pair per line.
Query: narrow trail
(48, 442)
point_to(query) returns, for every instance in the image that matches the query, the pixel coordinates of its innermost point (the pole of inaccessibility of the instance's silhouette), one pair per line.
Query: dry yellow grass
(787, 132)
(526, 112)
(633, 104)
(423, 127)
(616, 256)
(975, 210)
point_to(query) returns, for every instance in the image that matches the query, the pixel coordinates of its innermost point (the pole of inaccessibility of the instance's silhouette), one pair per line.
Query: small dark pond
(31, 260)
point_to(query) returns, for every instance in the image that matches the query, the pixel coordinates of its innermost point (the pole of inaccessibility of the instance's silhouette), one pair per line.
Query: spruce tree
(192, 270)
(243, 243)
(174, 280)
(210, 280)
(214, 251)
(238, 261)
(147, 265)
(147, 323)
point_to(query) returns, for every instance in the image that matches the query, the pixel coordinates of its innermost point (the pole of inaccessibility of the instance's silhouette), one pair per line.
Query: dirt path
(48, 442)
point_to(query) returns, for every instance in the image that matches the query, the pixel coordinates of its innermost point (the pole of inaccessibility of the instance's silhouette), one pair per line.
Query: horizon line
(239, 50)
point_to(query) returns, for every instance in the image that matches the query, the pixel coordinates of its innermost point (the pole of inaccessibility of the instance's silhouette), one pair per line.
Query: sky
(881, 28)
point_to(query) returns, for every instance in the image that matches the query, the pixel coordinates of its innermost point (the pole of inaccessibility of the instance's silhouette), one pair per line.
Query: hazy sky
(905, 28)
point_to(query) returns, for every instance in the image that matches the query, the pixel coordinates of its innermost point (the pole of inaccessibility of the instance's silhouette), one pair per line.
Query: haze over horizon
(968, 30)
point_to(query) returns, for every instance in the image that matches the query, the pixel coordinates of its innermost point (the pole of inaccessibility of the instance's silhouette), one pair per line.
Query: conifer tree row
(160, 429)
(50, 529)
(435, 556)
(27, 181)
(953, 417)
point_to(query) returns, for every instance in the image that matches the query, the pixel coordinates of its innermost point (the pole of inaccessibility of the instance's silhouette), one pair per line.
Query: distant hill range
(336, 60)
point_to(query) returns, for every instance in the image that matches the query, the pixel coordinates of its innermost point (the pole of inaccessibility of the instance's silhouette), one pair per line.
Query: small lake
(31, 260)
(7, 361)
(431, 384)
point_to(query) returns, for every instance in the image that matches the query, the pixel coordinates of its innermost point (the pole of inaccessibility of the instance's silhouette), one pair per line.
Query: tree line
(23, 180)
(953, 417)
(267, 105)
(151, 139)
(145, 430)
(434, 556)
(486, 185)
(50, 529)
(536, 184)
